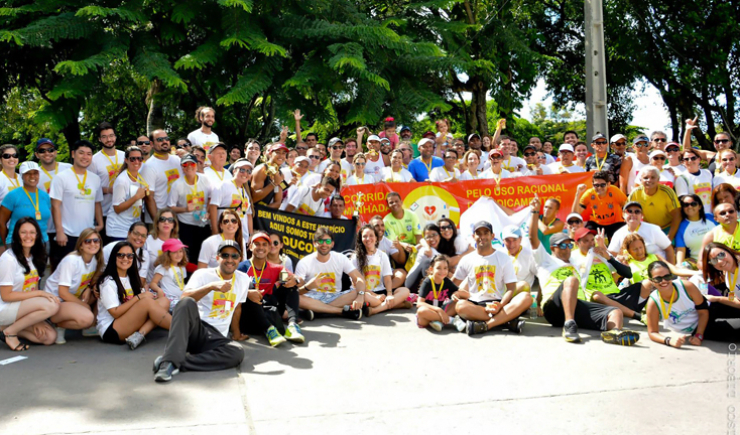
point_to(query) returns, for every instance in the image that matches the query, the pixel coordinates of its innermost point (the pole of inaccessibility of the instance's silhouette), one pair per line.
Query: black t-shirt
(444, 291)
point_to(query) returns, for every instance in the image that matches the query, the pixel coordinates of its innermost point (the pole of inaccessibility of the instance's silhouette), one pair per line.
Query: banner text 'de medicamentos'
(433, 201)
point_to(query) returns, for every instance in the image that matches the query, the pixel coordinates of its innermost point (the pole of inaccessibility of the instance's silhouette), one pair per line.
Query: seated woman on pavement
(229, 228)
(425, 253)
(720, 267)
(634, 254)
(375, 267)
(137, 235)
(452, 243)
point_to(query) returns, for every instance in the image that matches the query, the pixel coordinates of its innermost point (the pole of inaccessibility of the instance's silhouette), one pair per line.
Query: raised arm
(533, 219)
(297, 116)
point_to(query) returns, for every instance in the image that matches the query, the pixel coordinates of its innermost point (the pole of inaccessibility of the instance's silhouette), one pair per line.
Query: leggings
(258, 318)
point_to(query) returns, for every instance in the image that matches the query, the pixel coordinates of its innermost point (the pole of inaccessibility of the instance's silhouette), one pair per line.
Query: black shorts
(630, 297)
(588, 315)
(483, 303)
(111, 336)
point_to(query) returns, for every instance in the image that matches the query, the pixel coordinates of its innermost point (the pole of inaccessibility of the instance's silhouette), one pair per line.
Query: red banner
(432, 201)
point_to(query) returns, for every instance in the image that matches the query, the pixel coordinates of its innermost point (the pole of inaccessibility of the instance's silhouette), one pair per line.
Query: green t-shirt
(599, 277)
(639, 268)
(405, 229)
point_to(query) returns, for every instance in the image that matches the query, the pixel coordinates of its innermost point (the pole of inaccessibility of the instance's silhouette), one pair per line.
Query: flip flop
(20, 348)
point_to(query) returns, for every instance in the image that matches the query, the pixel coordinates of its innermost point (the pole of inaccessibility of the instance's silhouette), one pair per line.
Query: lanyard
(138, 179)
(36, 204)
(233, 278)
(434, 289)
(220, 177)
(115, 165)
(81, 183)
(731, 293)
(15, 177)
(178, 277)
(599, 166)
(670, 305)
(56, 169)
(254, 275)
(429, 166)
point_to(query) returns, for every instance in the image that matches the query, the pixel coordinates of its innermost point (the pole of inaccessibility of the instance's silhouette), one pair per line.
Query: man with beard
(267, 179)
(533, 164)
(204, 136)
(145, 145)
(106, 163)
(159, 172)
(406, 136)
(46, 153)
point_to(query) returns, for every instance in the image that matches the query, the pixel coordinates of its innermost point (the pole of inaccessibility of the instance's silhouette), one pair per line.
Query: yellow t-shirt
(656, 209)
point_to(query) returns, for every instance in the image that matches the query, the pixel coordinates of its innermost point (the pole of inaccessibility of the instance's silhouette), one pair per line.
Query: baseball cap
(405, 128)
(582, 232)
(640, 138)
(29, 166)
(597, 137)
(385, 139)
(260, 235)
(511, 231)
(574, 215)
(241, 162)
(631, 204)
(44, 140)
(173, 245)
(657, 153)
(559, 238)
(672, 145)
(526, 147)
(566, 147)
(218, 145)
(429, 134)
(334, 140)
(495, 151)
(473, 135)
(188, 158)
(617, 137)
(483, 224)
(300, 159)
(229, 244)
(373, 137)
(276, 147)
(423, 141)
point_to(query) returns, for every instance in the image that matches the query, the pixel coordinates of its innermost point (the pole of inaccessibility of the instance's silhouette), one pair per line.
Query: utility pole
(596, 119)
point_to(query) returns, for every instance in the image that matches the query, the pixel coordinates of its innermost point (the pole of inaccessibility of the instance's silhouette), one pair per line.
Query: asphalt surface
(382, 375)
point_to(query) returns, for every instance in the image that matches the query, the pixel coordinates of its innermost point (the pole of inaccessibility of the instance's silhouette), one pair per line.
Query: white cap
(566, 147)
(423, 141)
(29, 166)
(574, 215)
(616, 137)
(300, 159)
(657, 153)
(373, 137)
(242, 162)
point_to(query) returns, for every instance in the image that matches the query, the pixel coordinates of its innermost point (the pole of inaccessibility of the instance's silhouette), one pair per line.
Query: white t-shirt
(524, 266)
(78, 207)
(461, 245)
(181, 194)
(160, 175)
(375, 168)
(378, 266)
(172, 277)
(656, 242)
(514, 164)
(467, 176)
(106, 167)
(700, 184)
(346, 170)
(216, 178)
(72, 272)
(545, 171)
(109, 300)
(441, 174)
(572, 169)
(330, 280)
(11, 273)
(152, 250)
(142, 264)
(355, 181)
(487, 275)
(489, 175)
(117, 224)
(386, 246)
(724, 177)
(227, 195)
(303, 201)
(217, 308)
(549, 159)
(197, 137)
(8, 184)
(45, 178)
(637, 165)
(402, 176)
(209, 250)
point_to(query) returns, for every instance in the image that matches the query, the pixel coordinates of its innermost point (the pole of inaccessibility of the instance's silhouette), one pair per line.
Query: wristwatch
(361, 293)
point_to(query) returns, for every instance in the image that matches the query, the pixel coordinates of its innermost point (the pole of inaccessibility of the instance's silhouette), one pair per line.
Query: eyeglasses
(574, 222)
(599, 185)
(726, 212)
(162, 139)
(143, 142)
(275, 243)
(324, 241)
(226, 256)
(729, 159)
(10, 156)
(721, 140)
(603, 142)
(139, 235)
(136, 159)
(633, 211)
(445, 228)
(659, 158)
(641, 145)
(168, 220)
(542, 157)
(245, 171)
(108, 136)
(667, 278)
(314, 157)
(563, 246)
(620, 144)
(46, 150)
(690, 204)
(122, 255)
(717, 258)
(529, 154)
(91, 241)
(450, 156)
(691, 159)
(229, 221)
(359, 164)
(660, 139)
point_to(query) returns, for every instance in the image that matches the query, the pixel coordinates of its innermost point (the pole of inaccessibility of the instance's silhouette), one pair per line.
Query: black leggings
(257, 318)
(724, 323)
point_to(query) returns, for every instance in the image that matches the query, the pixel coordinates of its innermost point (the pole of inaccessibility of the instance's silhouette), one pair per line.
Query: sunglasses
(301, 148)
(359, 164)
(717, 258)
(633, 211)
(136, 159)
(563, 246)
(314, 157)
(497, 158)
(620, 144)
(658, 158)
(721, 140)
(445, 228)
(188, 165)
(600, 143)
(226, 256)
(691, 159)
(10, 156)
(529, 154)
(641, 145)
(726, 212)
(46, 150)
(162, 139)
(91, 241)
(690, 204)
(143, 142)
(128, 256)
(671, 150)
(229, 221)
(599, 185)
(275, 243)
(667, 278)
(337, 148)
(139, 235)
(168, 220)
(660, 139)
(574, 222)
(324, 241)
(245, 171)
(731, 159)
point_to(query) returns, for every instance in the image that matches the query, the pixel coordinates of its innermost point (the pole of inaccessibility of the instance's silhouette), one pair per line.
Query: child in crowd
(169, 271)
(438, 297)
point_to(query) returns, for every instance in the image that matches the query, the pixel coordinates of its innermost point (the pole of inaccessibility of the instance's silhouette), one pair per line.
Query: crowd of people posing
(121, 242)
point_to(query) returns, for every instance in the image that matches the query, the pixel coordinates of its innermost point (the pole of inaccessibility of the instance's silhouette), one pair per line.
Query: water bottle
(533, 307)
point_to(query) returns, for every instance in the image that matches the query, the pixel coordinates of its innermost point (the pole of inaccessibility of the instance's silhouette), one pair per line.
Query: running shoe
(274, 337)
(570, 332)
(473, 327)
(165, 372)
(351, 314)
(134, 340)
(516, 325)
(623, 337)
(436, 325)
(306, 314)
(60, 336)
(458, 323)
(293, 333)
(90, 332)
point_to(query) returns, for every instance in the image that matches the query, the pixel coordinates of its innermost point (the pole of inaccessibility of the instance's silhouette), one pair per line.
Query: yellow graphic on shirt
(704, 190)
(31, 281)
(198, 200)
(129, 294)
(223, 304)
(326, 282)
(485, 278)
(112, 173)
(84, 191)
(136, 211)
(85, 283)
(372, 277)
(239, 204)
(306, 209)
(172, 176)
(47, 186)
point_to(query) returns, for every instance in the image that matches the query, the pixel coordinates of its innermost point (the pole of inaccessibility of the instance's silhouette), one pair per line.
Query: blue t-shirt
(419, 170)
(20, 206)
(690, 235)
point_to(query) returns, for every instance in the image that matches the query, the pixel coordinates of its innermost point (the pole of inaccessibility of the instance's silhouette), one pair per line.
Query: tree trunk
(71, 132)
(155, 117)
(477, 121)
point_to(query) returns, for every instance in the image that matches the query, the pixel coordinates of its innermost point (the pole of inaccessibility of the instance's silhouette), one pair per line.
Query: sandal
(20, 348)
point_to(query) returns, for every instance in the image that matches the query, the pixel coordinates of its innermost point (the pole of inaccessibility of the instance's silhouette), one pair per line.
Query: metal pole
(596, 118)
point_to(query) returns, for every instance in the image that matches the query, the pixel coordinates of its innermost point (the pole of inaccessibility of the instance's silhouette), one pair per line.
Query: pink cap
(172, 245)
(277, 146)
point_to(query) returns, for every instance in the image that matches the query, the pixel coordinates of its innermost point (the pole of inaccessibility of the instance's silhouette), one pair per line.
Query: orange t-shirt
(606, 210)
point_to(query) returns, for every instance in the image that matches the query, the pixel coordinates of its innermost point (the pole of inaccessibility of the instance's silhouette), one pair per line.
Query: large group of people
(123, 241)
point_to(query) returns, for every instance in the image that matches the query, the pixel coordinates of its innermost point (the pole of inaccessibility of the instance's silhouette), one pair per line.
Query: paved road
(380, 376)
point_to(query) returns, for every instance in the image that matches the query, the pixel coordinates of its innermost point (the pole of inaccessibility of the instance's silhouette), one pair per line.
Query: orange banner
(432, 201)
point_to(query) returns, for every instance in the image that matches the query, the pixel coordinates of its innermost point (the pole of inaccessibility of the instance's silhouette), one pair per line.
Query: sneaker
(625, 337)
(157, 363)
(473, 327)
(293, 333)
(306, 314)
(274, 337)
(165, 372)
(412, 298)
(366, 310)
(90, 332)
(351, 314)
(459, 324)
(570, 332)
(134, 340)
(516, 325)
(436, 325)
(60, 336)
